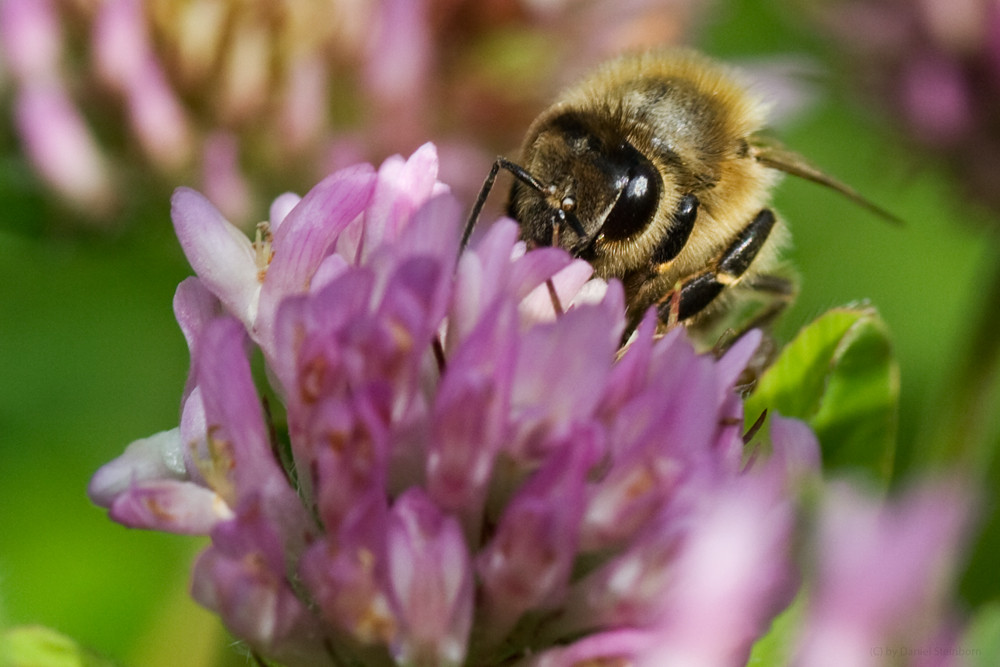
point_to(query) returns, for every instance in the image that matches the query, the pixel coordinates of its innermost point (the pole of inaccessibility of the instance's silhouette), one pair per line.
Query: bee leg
(696, 293)
(680, 231)
(776, 292)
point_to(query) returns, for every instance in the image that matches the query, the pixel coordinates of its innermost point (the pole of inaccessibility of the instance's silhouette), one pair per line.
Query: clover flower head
(469, 470)
(457, 463)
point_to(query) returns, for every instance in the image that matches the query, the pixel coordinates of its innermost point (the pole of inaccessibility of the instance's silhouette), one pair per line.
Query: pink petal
(232, 409)
(736, 358)
(157, 457)
(401, 188)
(30, 38)
(567, 281)
(430, 578)
(471, 411)
(171, 506)
(304, 100)
(480, 276)
(158, 119)
(120, 42)
(281, 207)
(345, 573)
(242, 577)
(222, 176)
(220, 254)
(243, 465)
(884, 568)
(561, 369)
(305, 238)
(731, 577)
(194, 307)
(612, 648)
(60, 145)
(528, 561)
(794, 447)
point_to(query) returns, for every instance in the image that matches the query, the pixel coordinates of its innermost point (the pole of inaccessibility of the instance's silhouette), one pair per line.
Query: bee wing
(778, 157)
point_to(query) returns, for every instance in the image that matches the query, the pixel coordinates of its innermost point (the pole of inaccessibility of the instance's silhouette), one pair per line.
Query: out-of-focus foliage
(34, 646)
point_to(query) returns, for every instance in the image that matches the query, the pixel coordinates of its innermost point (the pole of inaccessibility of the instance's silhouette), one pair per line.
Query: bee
(653, 170)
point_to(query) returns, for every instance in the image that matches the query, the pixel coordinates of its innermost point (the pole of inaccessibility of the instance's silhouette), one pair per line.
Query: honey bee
(653, 170)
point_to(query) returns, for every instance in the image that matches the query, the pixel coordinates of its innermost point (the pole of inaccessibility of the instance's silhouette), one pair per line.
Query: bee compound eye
(636, 205)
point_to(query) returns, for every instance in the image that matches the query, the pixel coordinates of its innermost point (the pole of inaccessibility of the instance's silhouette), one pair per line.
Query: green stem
(967, 427)
(969, 436)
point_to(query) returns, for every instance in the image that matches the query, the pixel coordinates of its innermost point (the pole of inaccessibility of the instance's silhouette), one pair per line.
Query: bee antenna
(519, 172)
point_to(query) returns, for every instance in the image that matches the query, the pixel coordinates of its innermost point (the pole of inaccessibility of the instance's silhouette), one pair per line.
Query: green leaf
(839, 375)
(36, 646)
(980, 645)
(775, 647)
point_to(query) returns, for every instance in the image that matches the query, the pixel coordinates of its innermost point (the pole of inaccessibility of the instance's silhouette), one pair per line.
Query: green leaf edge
(814, 379)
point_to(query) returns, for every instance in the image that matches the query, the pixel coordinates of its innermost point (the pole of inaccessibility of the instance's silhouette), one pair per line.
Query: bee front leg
(694, 294)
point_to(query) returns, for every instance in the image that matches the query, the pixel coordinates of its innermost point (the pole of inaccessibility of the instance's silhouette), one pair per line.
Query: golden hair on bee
(653, 169)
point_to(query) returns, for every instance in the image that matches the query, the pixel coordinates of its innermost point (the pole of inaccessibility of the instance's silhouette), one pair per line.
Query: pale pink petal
(538, 305)
(794, 447)
(157, 457)
(480, 276)
(61, 146)
(242, 577)
(303, 103)
(30, 39)
(345, 574)
(222, 176)
(528, 562)
(400, 52)
(732, 576)
(556, 386)
(194, 307)
(402, 187)
(612, 648)
(171, 506)
(430, 577)
(281, 207)
(158, 118)
(194, 431)
(120, 40)
(220, 254)
(233, 413)
(884, 571)
(470, 414)
(736, 358)
(306, 235)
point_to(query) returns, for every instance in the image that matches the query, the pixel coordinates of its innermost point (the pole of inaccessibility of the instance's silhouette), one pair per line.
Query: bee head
(589, 185)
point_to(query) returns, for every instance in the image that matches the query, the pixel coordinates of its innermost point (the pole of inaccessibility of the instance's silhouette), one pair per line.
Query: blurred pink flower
(882, 579)
(246, 100)
(934, 68)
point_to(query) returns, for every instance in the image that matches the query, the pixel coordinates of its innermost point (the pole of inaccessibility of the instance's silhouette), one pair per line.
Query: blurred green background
(91, 358)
